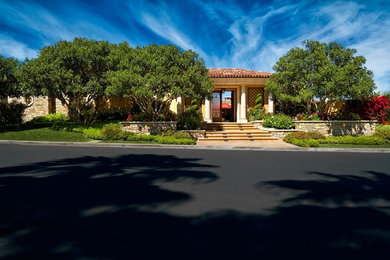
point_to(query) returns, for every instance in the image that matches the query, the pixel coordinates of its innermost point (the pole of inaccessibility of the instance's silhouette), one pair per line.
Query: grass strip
(43, 134)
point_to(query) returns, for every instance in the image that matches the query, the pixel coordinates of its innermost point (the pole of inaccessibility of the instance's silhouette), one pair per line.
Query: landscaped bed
(354, 146)
(62, 130)
(380, 139)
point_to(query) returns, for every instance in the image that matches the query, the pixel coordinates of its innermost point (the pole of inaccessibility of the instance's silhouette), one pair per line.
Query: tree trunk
(308, 106)
(154, 107)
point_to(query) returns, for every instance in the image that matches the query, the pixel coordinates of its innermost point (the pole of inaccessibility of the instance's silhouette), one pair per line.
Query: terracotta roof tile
(237, 73)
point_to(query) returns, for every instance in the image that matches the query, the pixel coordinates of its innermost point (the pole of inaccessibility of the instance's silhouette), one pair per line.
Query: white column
(243, 105)
(179, 106)
(237, 101)
(270, 104)
(207, 111)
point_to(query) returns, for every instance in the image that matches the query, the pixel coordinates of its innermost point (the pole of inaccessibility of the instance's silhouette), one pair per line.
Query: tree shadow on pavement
(333, 216)
(102, 208)
(92, 206)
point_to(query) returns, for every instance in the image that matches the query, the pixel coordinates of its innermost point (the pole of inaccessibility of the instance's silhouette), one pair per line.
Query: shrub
(376, 108)
(383, 131)
(181, 135)
(362, 140)
(383, 127)
(191, 118)
(305, 143)
(56, 117)
(112, 132)
(160, 139)
(308, 116)
(303, 136)
(113, 114)
(144, 117)
(278, 121)
(47, 120)
(11, 113)
(256, 114)
(93, 133)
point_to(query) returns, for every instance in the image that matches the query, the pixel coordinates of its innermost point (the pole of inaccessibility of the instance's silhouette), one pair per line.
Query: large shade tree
(74, 72)
(320, 72)
(8, 77)
(152, 76)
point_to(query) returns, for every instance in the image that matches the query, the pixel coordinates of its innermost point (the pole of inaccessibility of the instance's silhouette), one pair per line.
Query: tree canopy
(73, 72)
(322, 72)
(8, 77)
(154, 75)
(84, 73)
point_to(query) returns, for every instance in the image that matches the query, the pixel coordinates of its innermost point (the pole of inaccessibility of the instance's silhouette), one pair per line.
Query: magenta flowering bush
(307, 116)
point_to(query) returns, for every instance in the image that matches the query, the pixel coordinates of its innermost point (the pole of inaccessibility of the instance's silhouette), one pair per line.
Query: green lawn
(354, 146)
(43, 134)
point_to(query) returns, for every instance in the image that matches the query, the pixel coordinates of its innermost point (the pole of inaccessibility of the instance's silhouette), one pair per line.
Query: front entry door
(217, 106)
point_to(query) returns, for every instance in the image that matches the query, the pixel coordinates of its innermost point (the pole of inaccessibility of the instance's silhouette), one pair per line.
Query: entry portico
(235, 91)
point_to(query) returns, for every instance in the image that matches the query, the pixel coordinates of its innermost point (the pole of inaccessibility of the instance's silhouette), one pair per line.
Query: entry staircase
(232, 132)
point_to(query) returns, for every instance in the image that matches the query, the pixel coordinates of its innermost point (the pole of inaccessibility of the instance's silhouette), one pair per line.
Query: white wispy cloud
(158, 18)
(11, 48)
(48, 28)
(349, 22)
(252, 36)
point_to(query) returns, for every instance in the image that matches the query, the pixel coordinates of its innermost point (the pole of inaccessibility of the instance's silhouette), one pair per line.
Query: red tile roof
(237, 73)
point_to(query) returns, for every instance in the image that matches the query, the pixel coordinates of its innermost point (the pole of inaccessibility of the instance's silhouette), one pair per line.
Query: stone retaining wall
(40, 106)
(327, 128)
(337, 128)
(148, 128)
(280, 134)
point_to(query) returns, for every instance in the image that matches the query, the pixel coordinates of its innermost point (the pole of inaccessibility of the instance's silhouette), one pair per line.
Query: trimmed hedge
(181, 135)
(160, 139)
(93, 133)
(114, 132)
(362, 140)
(314, 139)
(303, 136)
(305, 143)
(383, 131)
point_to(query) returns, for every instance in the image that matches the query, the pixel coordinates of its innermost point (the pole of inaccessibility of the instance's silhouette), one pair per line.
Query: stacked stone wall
(338, 128)
(327, 128)
(39, 106)
(148, 128)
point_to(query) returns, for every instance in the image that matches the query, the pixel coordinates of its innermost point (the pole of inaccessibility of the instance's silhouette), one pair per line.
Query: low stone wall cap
(148, 122)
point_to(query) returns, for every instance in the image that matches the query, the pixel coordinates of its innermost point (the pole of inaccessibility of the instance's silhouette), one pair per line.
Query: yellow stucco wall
(173, 106)
(266, 107)
(203, 109)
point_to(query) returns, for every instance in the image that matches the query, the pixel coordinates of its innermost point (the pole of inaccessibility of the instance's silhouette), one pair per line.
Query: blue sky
(242, 34)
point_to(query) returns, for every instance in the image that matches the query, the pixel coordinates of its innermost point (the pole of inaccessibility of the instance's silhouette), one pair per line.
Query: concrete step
(226, 132)
(238, 134)
(239, 131)
(206, 139)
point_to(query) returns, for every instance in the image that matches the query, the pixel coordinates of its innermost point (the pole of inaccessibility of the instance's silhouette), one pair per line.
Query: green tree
(8, 77)
(74, 72)
(155, 75)
(322, 72)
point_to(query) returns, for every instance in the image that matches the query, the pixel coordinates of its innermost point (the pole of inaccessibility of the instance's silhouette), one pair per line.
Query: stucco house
(237, 88)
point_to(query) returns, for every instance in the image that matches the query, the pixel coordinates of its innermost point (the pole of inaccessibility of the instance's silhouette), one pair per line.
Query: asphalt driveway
(62, 202)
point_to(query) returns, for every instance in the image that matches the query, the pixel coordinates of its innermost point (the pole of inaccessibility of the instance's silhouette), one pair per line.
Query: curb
(194, 147)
